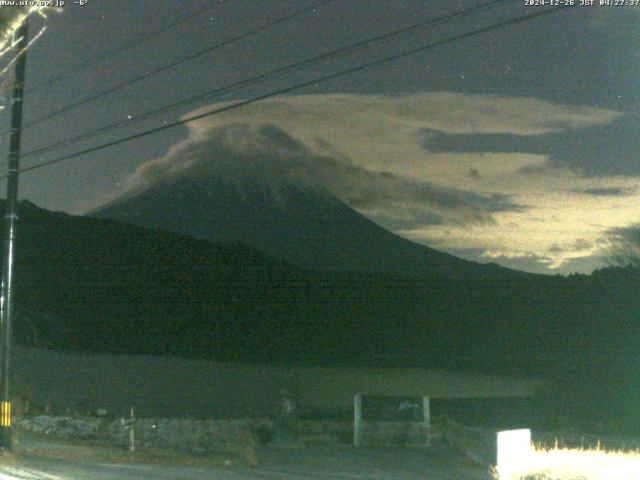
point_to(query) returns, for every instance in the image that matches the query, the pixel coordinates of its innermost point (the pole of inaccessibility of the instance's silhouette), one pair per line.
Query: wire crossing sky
(163, 68)
(209, 95)
(292, 88)
(138, 40)
(535, 118)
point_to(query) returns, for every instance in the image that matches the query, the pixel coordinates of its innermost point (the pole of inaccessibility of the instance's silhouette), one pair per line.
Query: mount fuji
(231, 188)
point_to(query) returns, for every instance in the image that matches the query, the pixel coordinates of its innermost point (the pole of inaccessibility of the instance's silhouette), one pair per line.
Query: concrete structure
(172, 387)
(414, 431)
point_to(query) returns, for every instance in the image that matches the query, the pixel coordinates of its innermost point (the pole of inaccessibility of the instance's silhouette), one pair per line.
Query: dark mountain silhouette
(254, 198)
(104, 286)
(306, 227)
(117, 287)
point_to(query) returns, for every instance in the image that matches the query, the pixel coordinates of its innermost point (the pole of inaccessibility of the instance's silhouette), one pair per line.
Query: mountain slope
(262, 199)
(104, 286)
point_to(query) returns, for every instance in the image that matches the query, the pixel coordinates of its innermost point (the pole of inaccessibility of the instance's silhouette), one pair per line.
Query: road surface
(337, 462)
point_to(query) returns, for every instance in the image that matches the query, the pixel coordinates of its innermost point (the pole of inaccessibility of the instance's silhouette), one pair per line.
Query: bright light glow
(11, 18)
(588, 464)
(15, 58)
(18, 473)
(514, 452)
(516, 462)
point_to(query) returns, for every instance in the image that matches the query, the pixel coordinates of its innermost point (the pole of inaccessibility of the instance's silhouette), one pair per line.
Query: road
(317, 462)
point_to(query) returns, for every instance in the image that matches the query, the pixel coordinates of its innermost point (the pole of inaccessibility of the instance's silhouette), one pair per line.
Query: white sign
(514, 452)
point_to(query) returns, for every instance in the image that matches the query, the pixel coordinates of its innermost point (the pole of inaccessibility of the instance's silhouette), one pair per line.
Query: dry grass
(574, 464)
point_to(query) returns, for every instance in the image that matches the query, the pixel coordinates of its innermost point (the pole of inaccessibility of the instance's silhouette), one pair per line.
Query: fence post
(426, 412)
(357, 420)
(132, 432)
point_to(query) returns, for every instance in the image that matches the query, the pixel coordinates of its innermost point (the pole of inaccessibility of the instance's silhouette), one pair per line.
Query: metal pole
(132, 432)
(6, 298)
(357, 420)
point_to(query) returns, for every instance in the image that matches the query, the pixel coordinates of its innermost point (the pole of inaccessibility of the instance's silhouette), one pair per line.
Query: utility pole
(10, 217)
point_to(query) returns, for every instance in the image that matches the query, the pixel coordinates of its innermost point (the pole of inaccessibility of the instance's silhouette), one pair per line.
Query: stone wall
(395, 433)
(196, 436)
(205, 436)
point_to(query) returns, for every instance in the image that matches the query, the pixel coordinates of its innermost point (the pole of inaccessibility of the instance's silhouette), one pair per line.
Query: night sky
(524, 137)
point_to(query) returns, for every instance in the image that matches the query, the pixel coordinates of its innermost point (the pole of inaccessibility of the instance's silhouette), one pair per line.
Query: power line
(171, 65)
(297, 86)
(269, 75)
(136, 41)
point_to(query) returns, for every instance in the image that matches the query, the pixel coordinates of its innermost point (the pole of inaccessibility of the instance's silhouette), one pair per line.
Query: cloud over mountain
(485, 195)
(264, 153)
